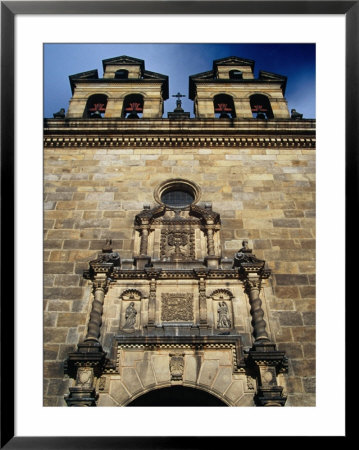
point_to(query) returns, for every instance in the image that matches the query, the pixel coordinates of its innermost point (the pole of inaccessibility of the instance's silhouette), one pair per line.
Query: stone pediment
(233, 61)
(123, 60)
(89, 75)
(269, 76)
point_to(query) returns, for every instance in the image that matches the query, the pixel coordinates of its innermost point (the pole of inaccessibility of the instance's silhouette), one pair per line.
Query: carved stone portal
(177, 307)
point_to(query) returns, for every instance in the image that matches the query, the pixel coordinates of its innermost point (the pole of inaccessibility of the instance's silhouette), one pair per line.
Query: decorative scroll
(177, 307)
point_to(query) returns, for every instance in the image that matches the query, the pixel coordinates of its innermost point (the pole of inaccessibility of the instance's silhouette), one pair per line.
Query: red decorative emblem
(134, 107)
(222, 107)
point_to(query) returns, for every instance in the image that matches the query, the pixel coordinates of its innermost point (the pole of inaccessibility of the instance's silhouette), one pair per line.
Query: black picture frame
(9, 9)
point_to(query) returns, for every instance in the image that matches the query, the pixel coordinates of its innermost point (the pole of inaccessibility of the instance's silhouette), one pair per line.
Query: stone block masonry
(265, 194)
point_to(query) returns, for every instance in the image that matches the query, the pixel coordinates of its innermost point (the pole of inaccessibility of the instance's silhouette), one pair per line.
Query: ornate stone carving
(102, 384)
(177, 366)
(177, 244)
(245, 256)
(250, 383)
(202, 301)
(130, 317)
(223, 316)
(177, 307)
(252, 287)
(84, 377)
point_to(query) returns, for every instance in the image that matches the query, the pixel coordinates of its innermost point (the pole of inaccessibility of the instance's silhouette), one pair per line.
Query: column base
(212, 261)
(81, 397)
(142, 261)
(270, 396)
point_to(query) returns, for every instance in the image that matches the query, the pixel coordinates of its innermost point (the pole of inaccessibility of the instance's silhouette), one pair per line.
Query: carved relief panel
(178, 243)
(177, 307)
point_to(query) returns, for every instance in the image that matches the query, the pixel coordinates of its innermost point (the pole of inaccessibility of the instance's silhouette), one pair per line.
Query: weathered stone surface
(223, 379)
(117, 392)
(160, 364)
(145, 373)
(192, 368)
(131, 380)
(235, 391)
(289, 318)
(290, 279)
(208, 372)
(70, 319)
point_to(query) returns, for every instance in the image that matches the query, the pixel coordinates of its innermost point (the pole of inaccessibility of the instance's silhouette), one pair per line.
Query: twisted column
(252, 286)
(210, 242)
(100, 287)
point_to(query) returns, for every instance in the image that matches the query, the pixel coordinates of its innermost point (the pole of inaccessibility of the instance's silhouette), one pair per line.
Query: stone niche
(130, 315)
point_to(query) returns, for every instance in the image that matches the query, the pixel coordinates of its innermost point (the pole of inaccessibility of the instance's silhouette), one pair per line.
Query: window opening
(96, 106)
(261, 108)
(133, 106)
(224, 107)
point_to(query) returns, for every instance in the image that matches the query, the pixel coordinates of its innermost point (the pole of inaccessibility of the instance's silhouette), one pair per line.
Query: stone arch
(223, 292)
(116, 393)
(210, 369)
(184, 395)
(131, 292)
(266, 94)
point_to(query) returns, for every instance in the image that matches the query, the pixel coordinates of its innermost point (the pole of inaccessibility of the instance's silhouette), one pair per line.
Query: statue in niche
(223, 316)
(130, 316)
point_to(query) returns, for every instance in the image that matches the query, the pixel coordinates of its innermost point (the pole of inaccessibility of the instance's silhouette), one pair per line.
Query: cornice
(81, 141)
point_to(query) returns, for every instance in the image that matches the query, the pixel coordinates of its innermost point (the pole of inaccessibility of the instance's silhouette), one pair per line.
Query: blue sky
(179, 61)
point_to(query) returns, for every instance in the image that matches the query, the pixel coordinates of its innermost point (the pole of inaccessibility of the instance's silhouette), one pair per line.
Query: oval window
(177, 198)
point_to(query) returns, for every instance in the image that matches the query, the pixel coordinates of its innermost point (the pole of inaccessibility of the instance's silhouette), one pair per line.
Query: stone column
(152, 303)
(252, 284)
(210, 241)
(83, 393)
(202, 302)
(144, 241)
(100, 285)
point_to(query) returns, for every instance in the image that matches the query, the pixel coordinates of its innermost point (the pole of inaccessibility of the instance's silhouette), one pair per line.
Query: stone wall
(264, 194)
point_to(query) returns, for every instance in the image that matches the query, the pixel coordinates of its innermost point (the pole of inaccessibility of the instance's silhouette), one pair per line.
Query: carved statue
(295, 115)
(244, 255)
(59, 114)
(223, 316)
(130, 316)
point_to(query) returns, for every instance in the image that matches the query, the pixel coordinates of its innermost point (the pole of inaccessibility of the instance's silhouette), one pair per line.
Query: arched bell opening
(224, 107)
(121, 74)
(132, 106)
(95, 106)
(261, 107)
(236, 75)
(177, 396)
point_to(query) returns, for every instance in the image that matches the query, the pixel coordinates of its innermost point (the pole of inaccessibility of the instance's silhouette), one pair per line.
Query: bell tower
(230, 91)
(126, 91)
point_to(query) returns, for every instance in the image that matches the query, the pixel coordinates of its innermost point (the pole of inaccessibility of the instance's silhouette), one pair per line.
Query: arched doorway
(177, 396)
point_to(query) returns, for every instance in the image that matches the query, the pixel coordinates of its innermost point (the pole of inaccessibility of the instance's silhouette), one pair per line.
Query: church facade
(179, 252)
